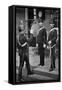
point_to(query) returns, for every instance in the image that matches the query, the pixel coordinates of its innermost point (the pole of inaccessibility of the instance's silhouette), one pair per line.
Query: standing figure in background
(34, 31)
(42, 40)
(52, 42)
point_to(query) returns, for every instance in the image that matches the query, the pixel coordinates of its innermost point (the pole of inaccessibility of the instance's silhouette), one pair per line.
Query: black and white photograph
(37, 44)
(30, 47)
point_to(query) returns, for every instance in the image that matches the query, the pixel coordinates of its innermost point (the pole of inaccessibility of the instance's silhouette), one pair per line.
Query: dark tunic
(23, 53)
(41, 39)
(53, 37)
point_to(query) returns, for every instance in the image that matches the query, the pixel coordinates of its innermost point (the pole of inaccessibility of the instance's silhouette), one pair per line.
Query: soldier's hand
(44, 45)
(49, 42)
(36, 45)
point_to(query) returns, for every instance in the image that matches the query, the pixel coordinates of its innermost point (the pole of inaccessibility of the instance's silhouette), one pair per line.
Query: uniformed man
(52, 42)
(41, 40)
(23, 53)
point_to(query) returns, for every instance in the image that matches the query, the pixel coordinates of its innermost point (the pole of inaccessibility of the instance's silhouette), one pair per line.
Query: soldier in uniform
(41, 40)
(52, 42)
(23, 53)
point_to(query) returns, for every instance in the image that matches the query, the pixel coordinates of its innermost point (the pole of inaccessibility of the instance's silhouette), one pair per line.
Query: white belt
(24, 44)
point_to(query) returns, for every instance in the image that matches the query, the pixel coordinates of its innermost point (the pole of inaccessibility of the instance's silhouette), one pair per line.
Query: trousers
(53, 57)
(41, 53)
(24, 57)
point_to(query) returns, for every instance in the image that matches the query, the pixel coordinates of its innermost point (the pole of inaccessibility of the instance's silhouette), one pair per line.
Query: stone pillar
(26, 20)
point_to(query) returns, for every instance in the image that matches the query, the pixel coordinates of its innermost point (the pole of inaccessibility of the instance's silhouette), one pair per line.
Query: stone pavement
(39, 72)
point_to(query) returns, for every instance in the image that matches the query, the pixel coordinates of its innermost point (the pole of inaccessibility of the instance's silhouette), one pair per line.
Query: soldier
(41, 40)
(52, 42)
(23, 53)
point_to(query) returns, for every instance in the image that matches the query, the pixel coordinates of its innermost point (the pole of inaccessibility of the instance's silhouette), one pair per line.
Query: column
(26, 20)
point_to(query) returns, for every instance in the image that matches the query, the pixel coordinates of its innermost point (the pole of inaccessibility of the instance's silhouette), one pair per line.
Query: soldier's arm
(39, 37)
(25, 41)
(55, 36)
(17, 44)
(45, 37)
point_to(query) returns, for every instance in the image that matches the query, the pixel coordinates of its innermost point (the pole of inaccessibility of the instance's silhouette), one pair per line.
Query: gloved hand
(49, 42)
(36, 45)
(44, 45)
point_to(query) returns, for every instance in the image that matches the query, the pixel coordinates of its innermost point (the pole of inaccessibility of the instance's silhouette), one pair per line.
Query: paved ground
(39, 72)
